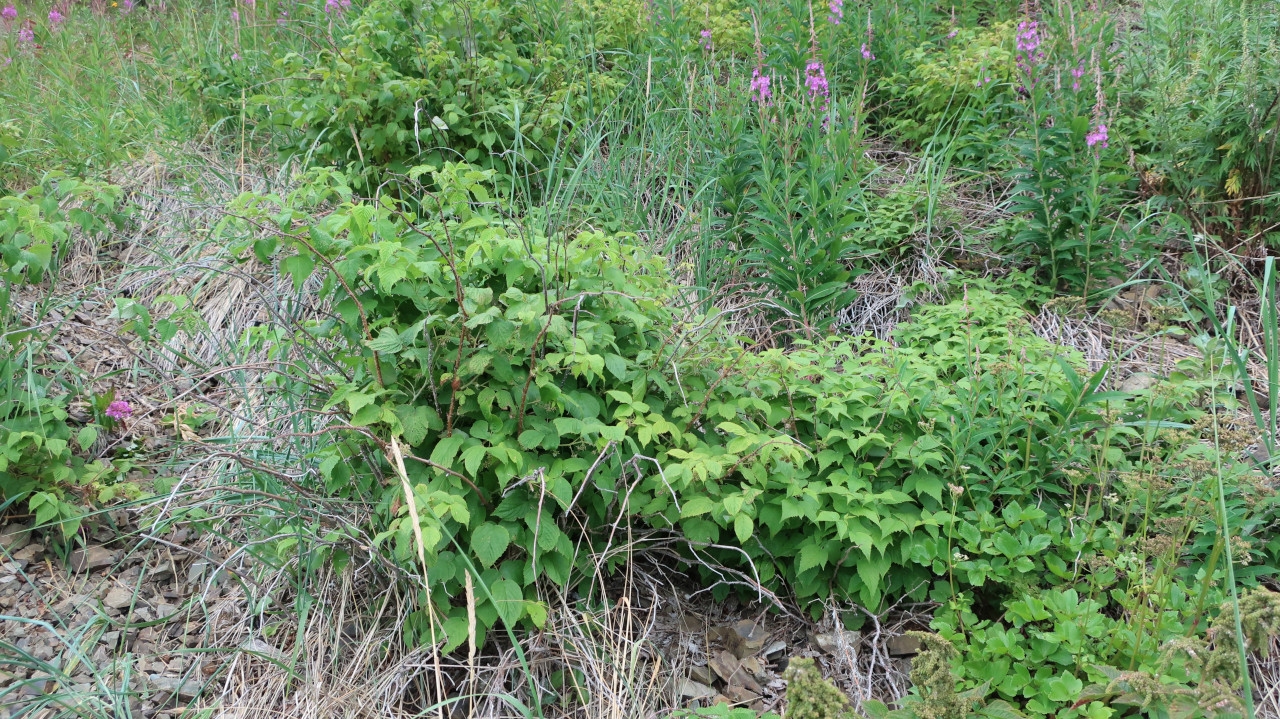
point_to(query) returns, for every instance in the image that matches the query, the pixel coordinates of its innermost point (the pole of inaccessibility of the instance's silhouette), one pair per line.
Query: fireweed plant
(1070, 182)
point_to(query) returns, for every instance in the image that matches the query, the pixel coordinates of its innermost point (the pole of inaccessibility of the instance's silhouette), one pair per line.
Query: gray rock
(702, 674)
(14, 537)
(1138, 382)
(92, 557)
(175, 686)
(745, 638)
(118, 598)
(695, 690)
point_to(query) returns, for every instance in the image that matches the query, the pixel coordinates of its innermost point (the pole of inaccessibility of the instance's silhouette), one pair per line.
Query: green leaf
(417, 421)
(490, 542)
(86, 437)
(531, 438)
(387, 342)
(696, 506)
(508, 600)
(742, 526)
(616, 365)
(812, 554)
(299, 267)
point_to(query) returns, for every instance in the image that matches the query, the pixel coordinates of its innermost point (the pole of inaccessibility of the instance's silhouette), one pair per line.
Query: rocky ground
(110, 625)
(137, 625)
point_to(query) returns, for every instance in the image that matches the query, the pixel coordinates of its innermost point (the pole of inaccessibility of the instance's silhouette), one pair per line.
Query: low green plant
(426, 83)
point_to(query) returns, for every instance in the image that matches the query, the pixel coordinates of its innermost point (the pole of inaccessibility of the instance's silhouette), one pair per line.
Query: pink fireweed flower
(1097, 137)
(336, 6)
(119, 410)
(126, 7)
(866, 53)
(4, 61)
(235, 56)
(1029, 53)
(9, 13)
(815, 80)
(760, 91)
(235, 15)
(26, 36)
(837, 11)
(952, 34)
(706, 38)
(56, 18)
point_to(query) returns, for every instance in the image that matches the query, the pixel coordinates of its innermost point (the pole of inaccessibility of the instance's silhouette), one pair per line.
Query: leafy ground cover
(443, 329)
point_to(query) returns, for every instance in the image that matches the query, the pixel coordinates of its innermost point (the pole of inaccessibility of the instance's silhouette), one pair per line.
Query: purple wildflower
(56, 18)
(26, 36)
(119, 410)
(760, 91)
(235, 15)
(337, 6)
(235, 56)
(866, 53)
(4, 61)
(1097, 137)
(9, 13)
(952, 34)
(706, 38)
(815, 79)
(126, 7)
(837, 11)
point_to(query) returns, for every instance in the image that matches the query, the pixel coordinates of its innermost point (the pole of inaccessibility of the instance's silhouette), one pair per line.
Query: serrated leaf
(812, 555)
(490, 542)
(508, 600)
(531, 438)
(742, 526)
(696, 506)
(416, 421)
(86, 437)
(299, 267)
(387, 342)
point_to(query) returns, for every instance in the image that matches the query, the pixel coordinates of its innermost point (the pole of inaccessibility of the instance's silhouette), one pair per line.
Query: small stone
(1137, 382)
(903, 646)
(741, 694)
(774, 648)
(175, 686)
(830, 642)
(92, 557)
(754, 667)
(14, 537)
(745, 638)
(695, 690)
(724, 664)
(30, 552)
(118, 598)
(162, 571)
(702, 674)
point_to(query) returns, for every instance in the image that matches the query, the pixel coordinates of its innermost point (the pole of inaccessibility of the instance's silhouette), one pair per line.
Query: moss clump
(809, 696)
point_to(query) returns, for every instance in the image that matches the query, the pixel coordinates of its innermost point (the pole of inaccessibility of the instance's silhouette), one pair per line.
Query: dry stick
(533, 368)
(412, 501)
(471, 644)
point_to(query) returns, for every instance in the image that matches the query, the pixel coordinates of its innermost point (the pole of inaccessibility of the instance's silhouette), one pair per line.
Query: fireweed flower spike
(706, 39)
(26, 36)
(119, 410)
(866, 46)
(9, 13)
(56, 18)
(760, 79)
(1097, 137)
(837, 11)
